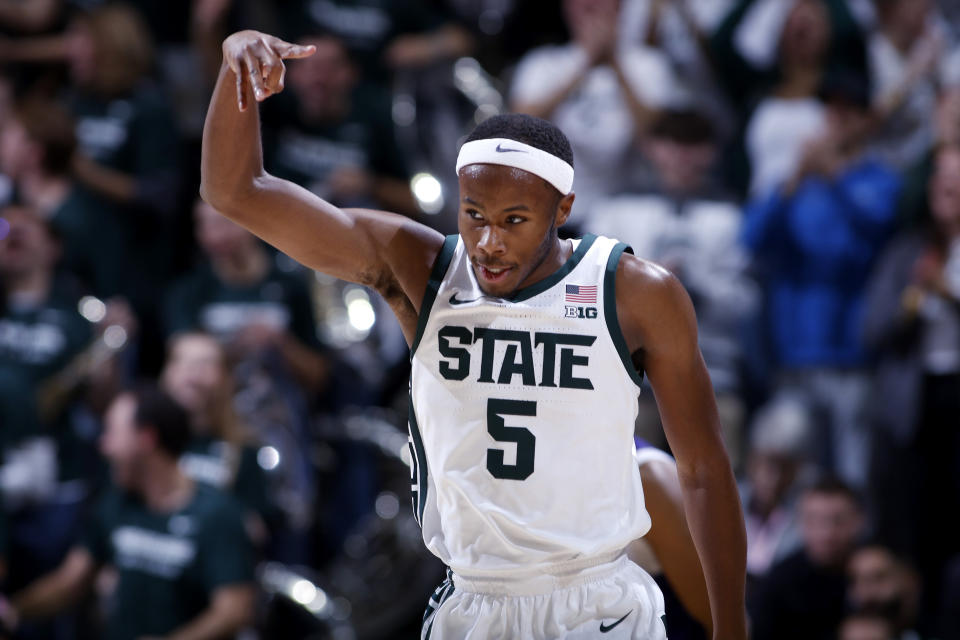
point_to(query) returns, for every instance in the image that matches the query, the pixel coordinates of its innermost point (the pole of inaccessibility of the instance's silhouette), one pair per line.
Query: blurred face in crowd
(771, 475)
(881, 584)
(830, 524)
(682, 168)
(508, 220)
(907, 16)
(806, 34)
(323, 82)
(584, 14)
(947, 116)
(220, 237)
(944, 190)
(28, 246)
(195, 375)
(18, 153)
(124, 445)
(109, 50)
(847, 122)
(865, 628)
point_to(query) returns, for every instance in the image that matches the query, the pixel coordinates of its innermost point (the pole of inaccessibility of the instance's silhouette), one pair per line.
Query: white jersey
(521, 418)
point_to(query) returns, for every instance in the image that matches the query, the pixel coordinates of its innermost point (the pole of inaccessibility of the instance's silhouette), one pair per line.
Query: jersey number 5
(525, 441)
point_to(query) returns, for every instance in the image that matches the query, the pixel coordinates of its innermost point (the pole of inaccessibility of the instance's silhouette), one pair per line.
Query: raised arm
(659, 324)
(388, 252)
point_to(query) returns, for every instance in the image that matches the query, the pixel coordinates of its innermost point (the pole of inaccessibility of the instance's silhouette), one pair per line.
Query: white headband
(511, 153)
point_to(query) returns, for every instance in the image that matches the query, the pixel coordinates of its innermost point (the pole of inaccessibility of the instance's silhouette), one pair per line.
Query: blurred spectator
(221, 452)
(265, 319)
(127, 143)
(778, 445)
(792, 114)
(883, 584)
(912, 322)
(37, 147)
(687, 223)
(815, 238)
(914, 204)
(602, 92)
(45, 476)
(681, 30)
(903, 54)
(241, 296)
(803, 596)
(383, 36)
(865, 626)
(335, 136)
(183, 559)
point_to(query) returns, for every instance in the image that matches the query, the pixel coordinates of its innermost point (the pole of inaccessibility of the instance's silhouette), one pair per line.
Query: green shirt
(230, 468)
(309, 153)
(365, 26)
(36, 342)
(169, 564)
(94, 241)
(201, 300)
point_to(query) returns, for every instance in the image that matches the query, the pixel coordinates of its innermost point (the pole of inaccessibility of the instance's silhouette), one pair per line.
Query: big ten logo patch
(588, 313)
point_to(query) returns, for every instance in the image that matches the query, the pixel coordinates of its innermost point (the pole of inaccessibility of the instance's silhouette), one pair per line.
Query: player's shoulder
(641, 276)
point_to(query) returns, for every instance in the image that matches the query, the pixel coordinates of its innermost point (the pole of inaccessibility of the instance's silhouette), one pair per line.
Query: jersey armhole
(439, 270)
(610, 311)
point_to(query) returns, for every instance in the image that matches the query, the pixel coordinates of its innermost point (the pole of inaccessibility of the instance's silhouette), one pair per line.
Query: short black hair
(829, 485)
(536, 132)
(683, 126)
(156, 410)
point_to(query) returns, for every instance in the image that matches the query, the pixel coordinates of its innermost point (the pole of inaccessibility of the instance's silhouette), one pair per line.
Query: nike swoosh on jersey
(605, 628)
(455, 300)
(502, 150)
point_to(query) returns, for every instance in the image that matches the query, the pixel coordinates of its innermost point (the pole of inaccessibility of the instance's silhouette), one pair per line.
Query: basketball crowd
(796, 163)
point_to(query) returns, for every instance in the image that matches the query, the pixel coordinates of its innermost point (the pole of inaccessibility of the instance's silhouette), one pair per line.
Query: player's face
(508, 221)
(121, 441)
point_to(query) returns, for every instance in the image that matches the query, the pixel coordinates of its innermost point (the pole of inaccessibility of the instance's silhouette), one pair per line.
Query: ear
(563, 208)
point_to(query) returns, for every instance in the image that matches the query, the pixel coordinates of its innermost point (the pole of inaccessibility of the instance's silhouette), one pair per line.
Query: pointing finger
(254, 75)
(241, 93)
(288, 51)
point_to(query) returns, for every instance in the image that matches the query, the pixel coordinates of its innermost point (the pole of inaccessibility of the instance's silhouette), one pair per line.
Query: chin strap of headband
(511, 153)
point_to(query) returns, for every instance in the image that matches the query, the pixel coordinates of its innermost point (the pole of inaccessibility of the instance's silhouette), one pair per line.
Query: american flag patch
(581, 294)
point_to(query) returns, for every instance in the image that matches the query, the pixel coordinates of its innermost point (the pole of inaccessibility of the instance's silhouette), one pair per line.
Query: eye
(473, 213)
(516, 219)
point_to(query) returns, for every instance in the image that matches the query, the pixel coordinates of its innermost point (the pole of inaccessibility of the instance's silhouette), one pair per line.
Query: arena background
(796, 163)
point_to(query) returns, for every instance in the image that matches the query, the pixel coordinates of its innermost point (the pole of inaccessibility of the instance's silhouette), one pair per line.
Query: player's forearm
(231, 157)
(713, 511)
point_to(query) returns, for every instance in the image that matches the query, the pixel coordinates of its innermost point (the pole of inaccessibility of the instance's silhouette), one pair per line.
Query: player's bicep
(660, 316)
(373, 248)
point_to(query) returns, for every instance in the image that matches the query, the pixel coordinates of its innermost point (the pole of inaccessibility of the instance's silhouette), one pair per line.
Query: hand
(258, 337)
(257, 58)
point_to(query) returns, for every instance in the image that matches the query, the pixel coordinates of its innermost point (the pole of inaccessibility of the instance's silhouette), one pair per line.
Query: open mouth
(493, 274)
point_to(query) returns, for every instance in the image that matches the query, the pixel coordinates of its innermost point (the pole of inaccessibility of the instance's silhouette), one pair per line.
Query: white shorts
(607, 598)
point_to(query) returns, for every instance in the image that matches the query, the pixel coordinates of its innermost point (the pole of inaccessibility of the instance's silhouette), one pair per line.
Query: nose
(491, 241)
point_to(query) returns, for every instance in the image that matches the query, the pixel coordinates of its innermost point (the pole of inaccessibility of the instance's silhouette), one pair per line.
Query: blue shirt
(815, 249)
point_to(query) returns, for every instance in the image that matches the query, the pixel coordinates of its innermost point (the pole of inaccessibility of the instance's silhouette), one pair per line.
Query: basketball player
(527, 353)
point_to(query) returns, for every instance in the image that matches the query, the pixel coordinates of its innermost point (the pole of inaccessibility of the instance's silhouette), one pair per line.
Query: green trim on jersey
(420, 462)
(610, 311)
(539, 287)
(440, 266)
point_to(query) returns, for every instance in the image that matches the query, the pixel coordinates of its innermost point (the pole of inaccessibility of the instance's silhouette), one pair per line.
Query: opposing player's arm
(670, 538)
(659, 323)
(386, 251)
